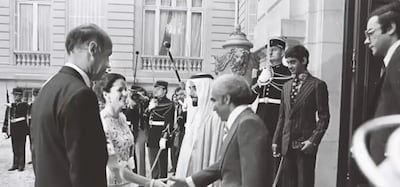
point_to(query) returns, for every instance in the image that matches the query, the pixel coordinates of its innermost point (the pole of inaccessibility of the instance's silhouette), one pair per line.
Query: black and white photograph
(196, 93)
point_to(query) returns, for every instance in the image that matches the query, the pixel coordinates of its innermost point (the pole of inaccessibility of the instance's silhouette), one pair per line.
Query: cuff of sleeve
(190, 182)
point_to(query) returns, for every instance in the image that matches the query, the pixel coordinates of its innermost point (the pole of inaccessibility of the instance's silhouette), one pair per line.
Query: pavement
(15, 178)
(26, 178)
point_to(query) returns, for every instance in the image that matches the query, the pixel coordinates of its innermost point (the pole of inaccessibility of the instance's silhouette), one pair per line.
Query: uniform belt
(157, 123)
(269, 100)
(15, 120)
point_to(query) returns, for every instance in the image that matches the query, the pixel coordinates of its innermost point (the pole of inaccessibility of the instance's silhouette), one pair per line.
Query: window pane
(197, 3)
(88, 11)
(173, 29)
(181, 3)
(166, 2)
(195, 38)
(149, 30)
(25, 36)
(150, 2)
(43, 28)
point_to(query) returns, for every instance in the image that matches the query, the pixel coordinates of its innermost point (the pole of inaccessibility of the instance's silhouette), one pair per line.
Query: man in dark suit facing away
(69, 144)
(298, 133)
(244, 161)
(382, 37)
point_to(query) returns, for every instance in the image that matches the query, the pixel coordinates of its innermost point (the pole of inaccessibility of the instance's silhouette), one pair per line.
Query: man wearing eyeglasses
(382, 37)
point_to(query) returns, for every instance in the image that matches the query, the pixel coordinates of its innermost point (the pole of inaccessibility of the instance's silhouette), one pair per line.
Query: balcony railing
(32, 58)
(163, 63)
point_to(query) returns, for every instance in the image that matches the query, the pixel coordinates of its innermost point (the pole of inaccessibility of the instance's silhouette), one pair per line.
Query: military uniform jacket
(161, 119)
(274, 88)
(16, 115)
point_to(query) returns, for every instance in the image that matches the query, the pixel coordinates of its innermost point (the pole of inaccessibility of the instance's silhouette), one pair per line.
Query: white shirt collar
(390, 52)
(234, 114)
(81, 72)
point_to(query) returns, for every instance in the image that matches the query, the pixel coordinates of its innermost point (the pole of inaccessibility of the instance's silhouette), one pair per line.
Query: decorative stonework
(238, 59)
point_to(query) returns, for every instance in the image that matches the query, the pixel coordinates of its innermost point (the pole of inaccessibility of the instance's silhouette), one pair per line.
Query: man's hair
(387, 14)
(299, 52)
(86, 33)
(235, 86)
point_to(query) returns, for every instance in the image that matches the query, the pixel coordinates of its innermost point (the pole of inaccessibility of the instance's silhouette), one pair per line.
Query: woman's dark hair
(105, 84)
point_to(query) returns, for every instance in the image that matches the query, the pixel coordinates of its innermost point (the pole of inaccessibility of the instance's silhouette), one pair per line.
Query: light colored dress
(119, 142)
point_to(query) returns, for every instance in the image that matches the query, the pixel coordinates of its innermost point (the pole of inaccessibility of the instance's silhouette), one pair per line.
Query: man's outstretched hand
(178, 182)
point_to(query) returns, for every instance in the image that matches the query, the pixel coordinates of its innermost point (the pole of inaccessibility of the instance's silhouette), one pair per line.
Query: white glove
(162, 143)
(131, 163)
(153, 103)
(5, 135)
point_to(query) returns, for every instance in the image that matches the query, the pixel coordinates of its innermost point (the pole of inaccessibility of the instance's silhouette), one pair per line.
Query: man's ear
(93, 48)
(392, 29)
(105, 95)
(304, 61)
(226, 99)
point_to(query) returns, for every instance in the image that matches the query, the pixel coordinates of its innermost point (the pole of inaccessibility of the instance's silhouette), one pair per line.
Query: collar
(234, 114)
(303, 76)
(276, 66)
(390, 52)
(81, 72)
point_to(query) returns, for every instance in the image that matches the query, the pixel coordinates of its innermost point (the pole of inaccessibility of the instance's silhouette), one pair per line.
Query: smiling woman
(120, 139)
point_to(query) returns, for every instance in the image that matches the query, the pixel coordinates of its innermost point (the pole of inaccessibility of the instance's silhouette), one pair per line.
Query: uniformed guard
(16, 120)
(161, 121)
(269, 84)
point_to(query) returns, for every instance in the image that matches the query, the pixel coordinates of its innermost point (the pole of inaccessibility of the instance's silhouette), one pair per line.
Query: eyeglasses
(369, 32)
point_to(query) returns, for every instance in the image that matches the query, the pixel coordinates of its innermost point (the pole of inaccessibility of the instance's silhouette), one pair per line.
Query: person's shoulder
(249, 116)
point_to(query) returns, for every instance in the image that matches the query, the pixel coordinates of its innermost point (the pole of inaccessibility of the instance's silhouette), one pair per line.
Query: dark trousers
(298, 169)
(174, 157)
(269, 113)
(18, 140)
(160, 170)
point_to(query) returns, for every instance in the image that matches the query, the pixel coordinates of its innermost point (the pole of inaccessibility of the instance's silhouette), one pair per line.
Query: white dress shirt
(81, 72)
(390, 52)
(231, 118)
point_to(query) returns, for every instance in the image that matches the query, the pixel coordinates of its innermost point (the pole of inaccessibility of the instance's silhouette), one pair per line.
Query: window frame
(35, 29)
(157, 8)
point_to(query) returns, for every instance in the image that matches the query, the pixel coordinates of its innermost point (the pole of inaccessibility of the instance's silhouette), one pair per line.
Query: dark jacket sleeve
(6, 122)
(281, 120)
(323, 112)
(207, 176)
(84, 139)
(255, 156)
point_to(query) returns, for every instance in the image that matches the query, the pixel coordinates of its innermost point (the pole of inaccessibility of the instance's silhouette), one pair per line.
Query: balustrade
(31, 58)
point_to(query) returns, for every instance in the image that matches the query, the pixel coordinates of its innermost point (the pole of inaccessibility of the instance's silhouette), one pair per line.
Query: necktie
(226, 130)
(295, 90)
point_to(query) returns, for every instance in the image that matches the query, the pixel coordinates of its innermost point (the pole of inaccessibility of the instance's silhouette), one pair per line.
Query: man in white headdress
(204, 129)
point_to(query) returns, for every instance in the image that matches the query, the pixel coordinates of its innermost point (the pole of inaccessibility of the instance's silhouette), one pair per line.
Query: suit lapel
(286, 94)
(231, 132)
(305, 90)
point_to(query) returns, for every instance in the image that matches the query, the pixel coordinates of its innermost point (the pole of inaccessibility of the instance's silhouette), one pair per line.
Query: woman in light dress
(119, 137)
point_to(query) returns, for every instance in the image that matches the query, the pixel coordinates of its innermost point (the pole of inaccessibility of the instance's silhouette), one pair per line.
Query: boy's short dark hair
(299, 52)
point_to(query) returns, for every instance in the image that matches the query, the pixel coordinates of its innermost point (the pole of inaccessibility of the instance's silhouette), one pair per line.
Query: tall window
(86, 11)
(33, 28)
(179, 22)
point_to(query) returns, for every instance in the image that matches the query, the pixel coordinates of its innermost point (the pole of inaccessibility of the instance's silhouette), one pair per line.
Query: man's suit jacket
(298, 122)
(69, 144)
(245, 160)
(388, 103)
